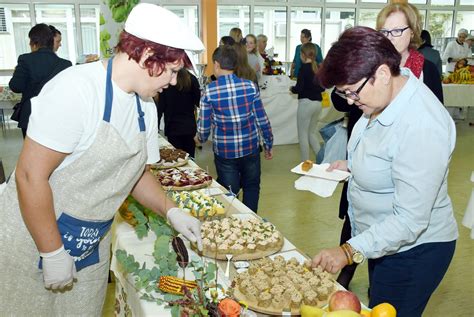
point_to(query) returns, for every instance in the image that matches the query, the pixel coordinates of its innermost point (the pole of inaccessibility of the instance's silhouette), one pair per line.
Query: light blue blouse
(398, 191)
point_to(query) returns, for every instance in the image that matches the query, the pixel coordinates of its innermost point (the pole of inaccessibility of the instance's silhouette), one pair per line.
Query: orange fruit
(384, 310)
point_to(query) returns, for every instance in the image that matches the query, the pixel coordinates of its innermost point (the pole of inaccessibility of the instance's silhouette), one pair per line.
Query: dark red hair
(134, 47)
(356, 55)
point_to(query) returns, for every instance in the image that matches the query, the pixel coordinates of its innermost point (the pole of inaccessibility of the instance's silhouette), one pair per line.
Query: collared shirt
(232, 109)
(398, 191)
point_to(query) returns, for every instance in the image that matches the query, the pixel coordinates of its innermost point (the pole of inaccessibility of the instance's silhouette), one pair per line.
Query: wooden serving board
(175, 164)
(245, 256)
(269, 310)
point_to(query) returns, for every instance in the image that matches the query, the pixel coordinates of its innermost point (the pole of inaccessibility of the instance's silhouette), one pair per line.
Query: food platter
(182, 178)
(246, 238)
(171, 157)
(272, 286)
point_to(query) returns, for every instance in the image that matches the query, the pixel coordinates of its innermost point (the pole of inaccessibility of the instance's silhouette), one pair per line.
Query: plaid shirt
(232, 108)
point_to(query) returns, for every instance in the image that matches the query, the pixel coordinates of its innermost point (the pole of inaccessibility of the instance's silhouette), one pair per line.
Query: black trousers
(183, 142)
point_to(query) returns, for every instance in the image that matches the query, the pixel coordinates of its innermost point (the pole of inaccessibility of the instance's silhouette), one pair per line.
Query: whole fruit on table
(311, 311)
(342, 313)
(384, 310)
(344, 300)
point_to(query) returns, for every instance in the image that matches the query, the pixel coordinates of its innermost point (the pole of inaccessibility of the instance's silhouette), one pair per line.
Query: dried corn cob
(174, 285)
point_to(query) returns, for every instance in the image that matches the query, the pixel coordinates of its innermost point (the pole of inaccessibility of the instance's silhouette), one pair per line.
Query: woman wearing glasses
(398, 155)
(401, 24)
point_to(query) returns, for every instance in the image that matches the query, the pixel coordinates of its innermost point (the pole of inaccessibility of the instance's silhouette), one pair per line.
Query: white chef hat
(156, 24)
(463, 31)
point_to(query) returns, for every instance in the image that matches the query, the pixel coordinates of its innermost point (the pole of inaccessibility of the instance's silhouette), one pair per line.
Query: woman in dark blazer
(35, 69)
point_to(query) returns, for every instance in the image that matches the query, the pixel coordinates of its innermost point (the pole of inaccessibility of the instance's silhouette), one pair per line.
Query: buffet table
(458, 95)
(128, 299)
(281, 107)
(7, 100)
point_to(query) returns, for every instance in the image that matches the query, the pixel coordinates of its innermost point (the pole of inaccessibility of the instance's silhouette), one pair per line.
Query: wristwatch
(357, 256)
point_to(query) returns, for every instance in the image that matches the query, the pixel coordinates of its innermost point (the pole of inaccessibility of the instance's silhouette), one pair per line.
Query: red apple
(344, 300)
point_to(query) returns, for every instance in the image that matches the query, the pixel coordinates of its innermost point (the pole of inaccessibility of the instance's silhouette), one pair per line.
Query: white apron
(86, 195)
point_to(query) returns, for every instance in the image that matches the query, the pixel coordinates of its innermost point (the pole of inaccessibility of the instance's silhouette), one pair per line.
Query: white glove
(185, 224)
(59, 270)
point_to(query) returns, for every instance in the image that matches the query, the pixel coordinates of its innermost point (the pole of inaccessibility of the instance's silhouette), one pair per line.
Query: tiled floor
(311, 222)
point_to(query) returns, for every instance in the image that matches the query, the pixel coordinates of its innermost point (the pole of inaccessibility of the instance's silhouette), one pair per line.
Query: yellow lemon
(384, 310)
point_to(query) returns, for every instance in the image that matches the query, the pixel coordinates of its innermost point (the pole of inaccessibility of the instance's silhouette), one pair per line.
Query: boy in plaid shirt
(232, 109)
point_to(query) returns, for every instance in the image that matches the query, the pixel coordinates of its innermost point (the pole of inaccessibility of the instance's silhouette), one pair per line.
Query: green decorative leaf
(175, 311)
(162, 245)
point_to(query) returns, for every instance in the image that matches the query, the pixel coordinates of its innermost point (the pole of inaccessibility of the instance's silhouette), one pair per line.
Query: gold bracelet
(345, 247)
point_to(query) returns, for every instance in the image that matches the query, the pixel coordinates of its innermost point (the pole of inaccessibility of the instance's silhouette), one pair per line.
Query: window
(304, 18)
(337, 20)
(271, 21)
(90, 29)
(368, 17)
(189, 15)
(62, 17)
(442, 2)
(439, 24)
(229, 17)
(465, 20)
(14, 41)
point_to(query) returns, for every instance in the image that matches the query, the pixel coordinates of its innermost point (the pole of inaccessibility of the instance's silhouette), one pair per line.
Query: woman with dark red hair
(92, 133)
(398, 155)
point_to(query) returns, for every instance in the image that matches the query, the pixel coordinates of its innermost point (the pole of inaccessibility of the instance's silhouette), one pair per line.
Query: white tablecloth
(468, 220)
(281, 107)
(458, 95)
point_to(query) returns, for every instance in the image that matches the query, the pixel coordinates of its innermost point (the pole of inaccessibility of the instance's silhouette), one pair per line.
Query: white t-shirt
(67, 113)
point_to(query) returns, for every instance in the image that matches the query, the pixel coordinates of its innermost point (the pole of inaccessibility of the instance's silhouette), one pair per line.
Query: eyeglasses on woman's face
(394, 32)
(352, 95)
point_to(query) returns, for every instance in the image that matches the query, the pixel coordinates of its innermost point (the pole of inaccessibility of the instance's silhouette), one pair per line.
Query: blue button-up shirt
(231, 107)
(398, 191)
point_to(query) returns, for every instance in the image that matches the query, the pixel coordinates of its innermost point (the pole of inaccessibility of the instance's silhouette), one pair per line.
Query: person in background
(242, 68)
(178, 104)
(456, 50)
(232, 109)
(398, 155)
(309, 102)
(57, 38)
(429, 52)
(236, 34)
(91, 140)
(35, 69)
(262, 40)
(401, 24)
(227, 40)
(305, 37)
(254, 59)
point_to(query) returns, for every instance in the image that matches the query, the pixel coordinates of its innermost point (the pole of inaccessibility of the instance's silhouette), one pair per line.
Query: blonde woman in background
(401, 24)
(309, 101)
(243, 69)
(255, 60)
(236, 34)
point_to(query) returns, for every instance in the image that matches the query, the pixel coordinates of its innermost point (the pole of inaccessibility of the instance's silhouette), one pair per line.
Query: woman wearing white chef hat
(456, 50)
(93, 130)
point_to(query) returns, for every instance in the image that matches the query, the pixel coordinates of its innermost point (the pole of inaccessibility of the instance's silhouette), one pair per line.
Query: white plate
(319, 171)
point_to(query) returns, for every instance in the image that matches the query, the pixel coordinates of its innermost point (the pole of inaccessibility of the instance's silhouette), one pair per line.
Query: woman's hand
(338, 165)
(330, 260)
(187, 225)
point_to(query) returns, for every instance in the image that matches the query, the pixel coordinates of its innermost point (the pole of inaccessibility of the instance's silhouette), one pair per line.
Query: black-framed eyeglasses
(394, 32)
(352, 95)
